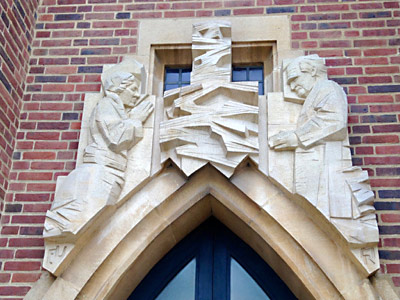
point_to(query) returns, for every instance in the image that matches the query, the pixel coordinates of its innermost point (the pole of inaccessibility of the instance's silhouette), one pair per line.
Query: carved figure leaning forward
(115, 127)
(320, 140)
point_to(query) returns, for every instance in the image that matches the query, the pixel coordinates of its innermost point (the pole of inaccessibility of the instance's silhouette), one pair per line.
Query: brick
(176, 14)
(14, 290)
(41, 187)
(388, 150)
(361, 129)
(389, 230)
(22, 266)
(13, 208)
(276, 10)
(7, 254)
(34, 176)
(68, 17)
(43, 135)
(364, 150)
(354, 71)
(28, 219)
(42, 208)
(379, 119)
(338, 62)
(385, 108)
(25, 277)
(371, 61)
(351, 33)
(372, 5)
(394, 4)
(333, 7)
(380, 14)
(378, 139)
(96, 51)
(379, 32)
(5, 277)
(9, 230)
(39, 155)
(382, 70)
(384, 89)
(389, 194)
(186, 5)
(215, 4)
(50, 145)
(32, 197)
(325, 16)
(107, 24)
(31, 230)
(375, 79)
(364, 24)
(115, 7)
(370, 43)
(387, 160)
(387, 171)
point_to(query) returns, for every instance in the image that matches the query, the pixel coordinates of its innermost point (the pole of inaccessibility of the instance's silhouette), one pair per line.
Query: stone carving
(323, 171)
(212, 120)
(115, 127)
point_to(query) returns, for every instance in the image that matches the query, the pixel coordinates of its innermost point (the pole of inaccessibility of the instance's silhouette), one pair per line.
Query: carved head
(126, 86)
(124, 79)
(303, 72)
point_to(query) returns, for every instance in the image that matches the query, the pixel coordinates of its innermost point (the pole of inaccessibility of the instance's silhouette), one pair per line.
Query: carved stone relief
(115, 126)
(296, 136)
(314, 140)
(213, 120)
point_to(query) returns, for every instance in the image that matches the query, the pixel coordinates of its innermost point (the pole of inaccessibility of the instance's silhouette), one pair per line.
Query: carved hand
(284, 140)
(142, 111)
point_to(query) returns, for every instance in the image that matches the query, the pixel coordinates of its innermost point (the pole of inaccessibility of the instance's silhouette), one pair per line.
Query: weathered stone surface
(115, 126)
(322, 243)
(213, 120)
(317, 148)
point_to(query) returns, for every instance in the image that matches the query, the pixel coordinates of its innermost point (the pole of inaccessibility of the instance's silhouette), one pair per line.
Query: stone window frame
(267, 42)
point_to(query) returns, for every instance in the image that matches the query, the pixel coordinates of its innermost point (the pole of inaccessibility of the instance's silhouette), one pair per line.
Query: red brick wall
(74, 38)
(17, 22)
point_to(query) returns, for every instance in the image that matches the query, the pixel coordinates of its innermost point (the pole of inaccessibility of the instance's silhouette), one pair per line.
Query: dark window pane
(182, 286)
(261, 88)
(239, 74)
(171, 86)
(176, 77)
(256, 74)
(243, 286)
(250, 73)
(171, 75)
(186, 75)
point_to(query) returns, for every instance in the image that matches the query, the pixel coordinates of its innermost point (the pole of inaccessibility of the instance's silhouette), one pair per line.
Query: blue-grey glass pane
(185, 83)
(256, 74)
(243, 286)
(239, 74)
(261, 88)
(182, 286)
(171, 86)
(186, 75)
(171, 75)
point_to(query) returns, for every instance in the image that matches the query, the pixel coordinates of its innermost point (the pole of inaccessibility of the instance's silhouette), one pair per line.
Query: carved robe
(323, 153)
(99, 180)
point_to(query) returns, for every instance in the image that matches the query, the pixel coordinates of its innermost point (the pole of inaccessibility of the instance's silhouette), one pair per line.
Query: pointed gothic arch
(122, 250)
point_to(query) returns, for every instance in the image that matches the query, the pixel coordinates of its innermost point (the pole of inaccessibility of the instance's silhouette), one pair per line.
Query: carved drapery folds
(115, 126)
(313, 138)
(296, 137)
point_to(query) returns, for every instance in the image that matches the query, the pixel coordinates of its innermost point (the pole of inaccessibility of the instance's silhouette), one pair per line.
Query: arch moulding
(161, 202)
